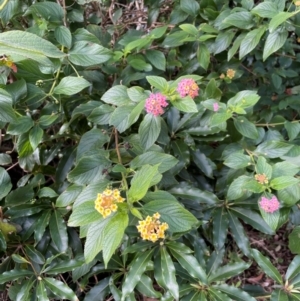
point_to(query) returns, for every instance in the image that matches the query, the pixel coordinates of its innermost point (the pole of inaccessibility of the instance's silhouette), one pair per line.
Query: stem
(56, 77)
(124, 181)
(74, 69)
(274, 124)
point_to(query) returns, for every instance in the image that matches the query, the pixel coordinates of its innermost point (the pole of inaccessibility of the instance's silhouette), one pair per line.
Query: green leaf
(5, 159)
(294, 240)
(293, 129)
(63, 36)
(58, 231)
(190, 7)
(243, 99)
(279, 295)
(236, 188)
(251, 40)
(27, 45)
(275, 41)
(283, 182)
(7, 114)
(137, 268)
(293, 269)
(156, 58)
(165, 161)
(63, 266)
(279, 19)
(20, 125)
(35, 136)
(91, 143)
(46, 120)
(212, 91)
(236, 44)
(233, 292)
(245, 127)
(89, 169)
(219, 118)
(98, 291)
(117, 95)
(203, 56)
(84, 214)
(14, 275)
(262, 167)
(272, 219)
(50, 11)
(71, 85)
(41, 292)
(273, 149)
(41, 225)
(94, 239)
(141, 182)
(68, 196)
(113, 234)
(149, 130)
(237, 160)
(178, 218)
(145, 287)
(168, 273)
(19, 259)
(223, 41)
(252, 218)
(85, 53)
(242, 19)
(266, 9)
(186, 191)
(60, 289)
(220, 227)
(217, 295)
(267, 266)
(5, 183)
(253, 186)
(34, 255)
(239, 233)
(204, 163)
(228, 271)
(185, 104)
(190, 264)
(158, 82)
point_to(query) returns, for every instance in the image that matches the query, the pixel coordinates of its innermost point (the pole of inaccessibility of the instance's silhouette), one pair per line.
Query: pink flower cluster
(269, 205)
(155, 104)
(216, 107)
(187, 86)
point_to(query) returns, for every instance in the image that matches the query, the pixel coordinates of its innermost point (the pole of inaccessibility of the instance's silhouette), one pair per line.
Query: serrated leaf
(149, 130)
(89, 169)
(35, 136)
(85, 53)
(283, 182)
(250, 41)
(293, 129)
(204, 163)
(158, 82)
(20, 125)
(185, 104)
(279, 19)
(117, 95)
(266, 9)
(156, 58)
(237, 160)
(275, 41)
(178, 218)
(267, 266)
(84, 214)
(141, 182)
(273, 149)
(236, 188)
(245, 127)
(71, 85)
(63, 36)
(5, 183)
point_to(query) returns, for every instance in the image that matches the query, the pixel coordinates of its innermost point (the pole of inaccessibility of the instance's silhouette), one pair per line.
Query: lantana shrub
(143, 143)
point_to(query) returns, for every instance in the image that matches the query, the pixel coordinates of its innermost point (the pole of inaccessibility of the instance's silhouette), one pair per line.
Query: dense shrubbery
(141, 143)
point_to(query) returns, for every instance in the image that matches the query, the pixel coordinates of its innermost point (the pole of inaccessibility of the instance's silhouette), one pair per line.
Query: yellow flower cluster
(106, 202)
(261, 178)
(151, 228)
(230, 73)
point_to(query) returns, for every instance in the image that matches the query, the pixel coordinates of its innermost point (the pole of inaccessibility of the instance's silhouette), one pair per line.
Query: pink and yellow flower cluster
(151, 228)
(106, 202)
(188, 86)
